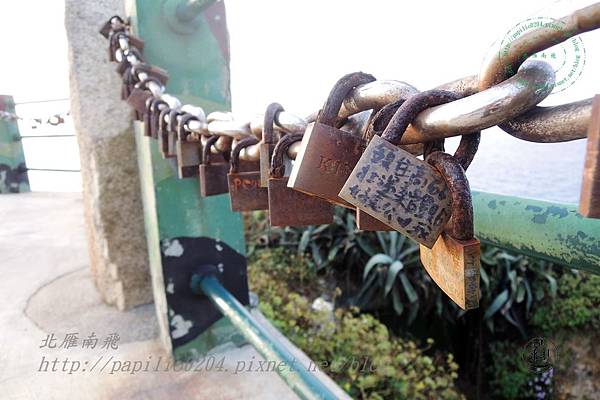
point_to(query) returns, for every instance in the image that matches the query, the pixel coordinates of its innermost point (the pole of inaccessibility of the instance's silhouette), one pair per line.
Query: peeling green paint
(198, 65)
(555, 232)
(13, 175)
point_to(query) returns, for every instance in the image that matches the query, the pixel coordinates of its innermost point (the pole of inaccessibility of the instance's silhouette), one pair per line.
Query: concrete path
(46, 289)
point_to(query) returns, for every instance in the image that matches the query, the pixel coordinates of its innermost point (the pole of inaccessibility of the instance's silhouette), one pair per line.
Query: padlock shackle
(172, 124)
(155, 103)
(465, 152)
(281, 148)
(185, 118)
(381, 118)
(271, 114)
(162, 124)
(143, 84)
(460, 225)
(206, 149)
(137, 54)
(333, 104)
(409, 110)
(150, 70)
(235, 152)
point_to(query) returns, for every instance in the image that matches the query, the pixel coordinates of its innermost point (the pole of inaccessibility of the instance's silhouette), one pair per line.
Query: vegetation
(577, 305)
(355, 349)
(381, 280)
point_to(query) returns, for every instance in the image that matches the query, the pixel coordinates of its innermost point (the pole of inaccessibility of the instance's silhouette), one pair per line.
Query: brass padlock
(589, 202)
(244, 187)
(213, 175)
(454, 260)
(288, 207)
(328, 154)
(394, 186)
(268, 142)
(187, 148)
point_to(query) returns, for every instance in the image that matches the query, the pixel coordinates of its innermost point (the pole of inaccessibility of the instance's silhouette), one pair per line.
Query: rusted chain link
(492, 98)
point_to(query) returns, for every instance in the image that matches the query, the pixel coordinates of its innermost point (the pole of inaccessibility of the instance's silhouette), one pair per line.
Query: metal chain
(492, 98)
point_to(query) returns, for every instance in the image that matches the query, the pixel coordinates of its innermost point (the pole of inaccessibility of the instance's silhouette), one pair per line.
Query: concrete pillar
(111, 187)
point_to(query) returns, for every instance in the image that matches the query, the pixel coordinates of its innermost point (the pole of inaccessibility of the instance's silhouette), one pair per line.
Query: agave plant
(515, 283)
(386, 275)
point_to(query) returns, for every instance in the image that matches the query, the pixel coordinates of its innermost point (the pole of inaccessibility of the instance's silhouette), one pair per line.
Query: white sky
(309, 44)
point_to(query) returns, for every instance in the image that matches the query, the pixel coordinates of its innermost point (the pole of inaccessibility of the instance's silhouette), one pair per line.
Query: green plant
(509, 376)
(356, 350)
(511, 284)
(577, 305)
(382, 272)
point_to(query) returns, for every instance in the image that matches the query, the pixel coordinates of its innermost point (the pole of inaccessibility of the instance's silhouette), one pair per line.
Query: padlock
(114, 24)
(213, 175)
(174, 116)
(395, 187)
(589, 201)
(378, 121)
(328, 154)
(147, 116)
(188, 149)
(133, 42)
(156, 106)
(454, 260)
(152, 71)
(288, 207)
(162, 139)
(244, 187)
(268, 142)
(138, 96)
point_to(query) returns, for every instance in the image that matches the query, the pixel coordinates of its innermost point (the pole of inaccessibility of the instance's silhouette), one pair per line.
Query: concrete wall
(111, 188)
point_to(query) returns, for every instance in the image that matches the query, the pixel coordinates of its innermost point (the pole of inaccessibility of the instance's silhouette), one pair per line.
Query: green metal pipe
(551, 231)
(299, 379)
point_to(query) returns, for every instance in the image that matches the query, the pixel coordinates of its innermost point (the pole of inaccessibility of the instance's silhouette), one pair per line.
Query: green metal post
(552, 231)
(13, 173)
(198, 64)
(298, 377)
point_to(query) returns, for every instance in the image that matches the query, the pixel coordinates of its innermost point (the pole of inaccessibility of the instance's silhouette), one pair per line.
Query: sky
(308, 45)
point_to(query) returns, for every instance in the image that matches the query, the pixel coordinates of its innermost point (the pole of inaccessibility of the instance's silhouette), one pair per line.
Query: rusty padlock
(147, 116)
(394, 186)
(454, 260)
(268, 142)
(172, 124)
(244, 187)
(156, 106)
(213, 175)
(378, 121)
(187, 148)
(589, 201)
(133, 41)
(114, 24)
(138, 96)
(152, 71)
(328, 154)
(162, 138)
(288, 207)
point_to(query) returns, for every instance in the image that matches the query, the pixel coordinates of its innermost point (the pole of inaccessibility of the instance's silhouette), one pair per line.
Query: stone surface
(112, 204)
(42, 242)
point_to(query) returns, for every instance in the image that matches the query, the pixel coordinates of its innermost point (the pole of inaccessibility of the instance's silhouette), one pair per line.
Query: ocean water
(544, 171)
